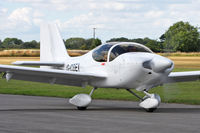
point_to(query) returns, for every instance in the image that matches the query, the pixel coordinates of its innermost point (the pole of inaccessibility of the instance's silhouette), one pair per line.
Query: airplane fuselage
(125, 71)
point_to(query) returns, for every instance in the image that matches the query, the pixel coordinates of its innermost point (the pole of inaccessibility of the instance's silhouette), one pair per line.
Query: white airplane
(124, 65)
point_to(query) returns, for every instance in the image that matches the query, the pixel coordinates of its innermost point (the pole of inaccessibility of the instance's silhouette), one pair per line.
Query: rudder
(52, 47)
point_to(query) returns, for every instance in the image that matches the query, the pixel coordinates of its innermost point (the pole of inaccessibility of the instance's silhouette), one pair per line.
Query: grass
(172, 93)
(188, 93)
(40, 89)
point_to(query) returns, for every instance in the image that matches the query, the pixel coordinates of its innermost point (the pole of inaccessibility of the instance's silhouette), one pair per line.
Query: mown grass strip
(188, 93)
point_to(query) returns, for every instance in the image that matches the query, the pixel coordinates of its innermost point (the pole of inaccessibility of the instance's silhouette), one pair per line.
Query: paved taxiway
(22, 114)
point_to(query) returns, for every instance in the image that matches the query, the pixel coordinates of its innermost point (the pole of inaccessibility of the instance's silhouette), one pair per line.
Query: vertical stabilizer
(52, 47)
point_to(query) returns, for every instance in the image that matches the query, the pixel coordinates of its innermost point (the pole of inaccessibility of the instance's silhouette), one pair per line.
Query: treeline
(15, 43)
(81, 43)
(71, 43)
(181, 36)
(154, 45)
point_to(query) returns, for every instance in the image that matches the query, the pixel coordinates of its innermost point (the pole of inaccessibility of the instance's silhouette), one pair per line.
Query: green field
(188, 93)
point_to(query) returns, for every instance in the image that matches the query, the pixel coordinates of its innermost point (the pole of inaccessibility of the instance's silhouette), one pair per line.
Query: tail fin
(52, 47)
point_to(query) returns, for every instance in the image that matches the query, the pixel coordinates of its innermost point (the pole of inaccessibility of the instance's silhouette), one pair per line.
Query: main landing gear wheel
(81, 108)
(150, 102)
(148, 109)
(151, 109)
(82, 101)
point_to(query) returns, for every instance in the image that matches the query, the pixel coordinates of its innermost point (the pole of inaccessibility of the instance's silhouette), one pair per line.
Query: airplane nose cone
(158, 64)
(161, 64)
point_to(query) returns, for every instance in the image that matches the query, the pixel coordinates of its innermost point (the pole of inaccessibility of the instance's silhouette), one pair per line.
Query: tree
(182, 36)
(97, 42)
(162, 38)
(81, 43)
(74, 43)
(88, 43)
(11, 43)
(0, 43)
(121, 39)
(32, 44)
(139, 40)
(92, 43)
(155, 46)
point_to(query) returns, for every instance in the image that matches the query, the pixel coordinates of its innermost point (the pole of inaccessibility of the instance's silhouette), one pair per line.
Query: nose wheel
(81, 108)
(150, 102)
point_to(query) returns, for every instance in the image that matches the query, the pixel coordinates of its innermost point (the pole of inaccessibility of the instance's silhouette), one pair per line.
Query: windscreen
(101, 53)
(125, 48)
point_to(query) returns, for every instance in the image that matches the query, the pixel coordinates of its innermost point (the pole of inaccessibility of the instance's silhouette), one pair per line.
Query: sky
(112, 18)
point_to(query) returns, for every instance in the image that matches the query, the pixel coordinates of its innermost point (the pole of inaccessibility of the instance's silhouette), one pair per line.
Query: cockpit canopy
(115, 49)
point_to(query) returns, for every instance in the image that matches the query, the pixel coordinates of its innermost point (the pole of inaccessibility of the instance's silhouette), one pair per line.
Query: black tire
(81, 108)
(151, 110)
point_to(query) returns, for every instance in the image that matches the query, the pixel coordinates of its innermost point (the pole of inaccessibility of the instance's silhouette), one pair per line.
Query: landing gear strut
(149, 102)
(82, 100)
(134, 94)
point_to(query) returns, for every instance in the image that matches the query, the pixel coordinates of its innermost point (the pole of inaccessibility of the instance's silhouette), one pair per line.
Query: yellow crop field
(180, 54)
(20, 52)
(180, 62)
(186, 62)
(34, 53)
(181, 59)
(9, 60)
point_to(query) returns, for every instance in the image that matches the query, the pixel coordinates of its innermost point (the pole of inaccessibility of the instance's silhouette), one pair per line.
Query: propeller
(161, 64)
(158, 64)
(170, 90)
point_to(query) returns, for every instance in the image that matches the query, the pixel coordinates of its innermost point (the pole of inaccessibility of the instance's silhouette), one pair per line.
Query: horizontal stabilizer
(39, 63)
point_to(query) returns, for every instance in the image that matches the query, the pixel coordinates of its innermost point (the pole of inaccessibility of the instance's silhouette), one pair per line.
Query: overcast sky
(112, 18)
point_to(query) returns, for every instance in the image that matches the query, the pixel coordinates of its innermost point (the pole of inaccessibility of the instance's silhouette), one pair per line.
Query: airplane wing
(39, 63)
(183, 76)
(49, 75)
